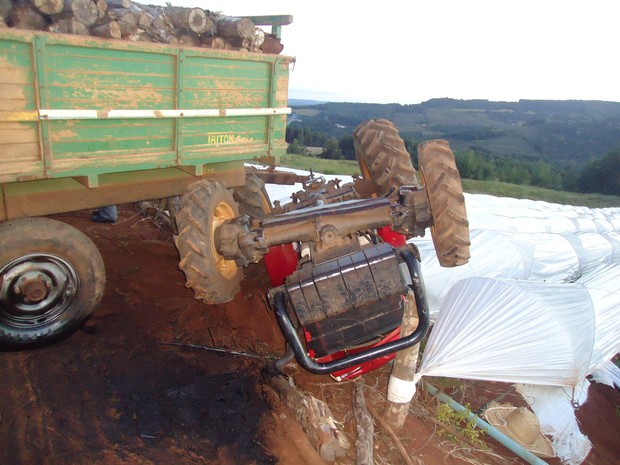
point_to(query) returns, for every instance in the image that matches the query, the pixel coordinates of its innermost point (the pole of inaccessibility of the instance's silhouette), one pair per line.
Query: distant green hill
(559, 131)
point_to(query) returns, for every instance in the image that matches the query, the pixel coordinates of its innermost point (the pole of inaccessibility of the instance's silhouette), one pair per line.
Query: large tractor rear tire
(253, 199)
(383, 158)
(52, 278)
(205, 206)
(442, 182)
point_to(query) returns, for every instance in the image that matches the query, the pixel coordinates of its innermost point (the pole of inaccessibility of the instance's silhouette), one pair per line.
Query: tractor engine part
(347, 301)
(330, 228)
(317, 191)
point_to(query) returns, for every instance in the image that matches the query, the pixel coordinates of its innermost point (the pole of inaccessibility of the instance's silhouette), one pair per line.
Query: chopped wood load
(128, 20)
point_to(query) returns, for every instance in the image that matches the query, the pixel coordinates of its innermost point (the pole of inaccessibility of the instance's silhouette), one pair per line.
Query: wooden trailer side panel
(87, 106)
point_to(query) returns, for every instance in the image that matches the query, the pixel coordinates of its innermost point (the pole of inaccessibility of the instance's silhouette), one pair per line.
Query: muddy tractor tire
(204, 207)
(253, 199)
(52, 278)
(442, 182)
(383, 158)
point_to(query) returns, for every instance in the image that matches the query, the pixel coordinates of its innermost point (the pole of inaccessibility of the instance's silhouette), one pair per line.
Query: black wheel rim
(36, 290)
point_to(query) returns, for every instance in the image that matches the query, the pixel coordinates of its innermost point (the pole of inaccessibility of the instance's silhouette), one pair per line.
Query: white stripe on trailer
(47, 114)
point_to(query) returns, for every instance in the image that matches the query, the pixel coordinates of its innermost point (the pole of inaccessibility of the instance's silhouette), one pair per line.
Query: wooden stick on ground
(315, 418)
(390, 431)
(364, 443)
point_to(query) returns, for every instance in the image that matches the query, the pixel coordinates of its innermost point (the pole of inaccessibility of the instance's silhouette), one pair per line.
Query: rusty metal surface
(37, 198)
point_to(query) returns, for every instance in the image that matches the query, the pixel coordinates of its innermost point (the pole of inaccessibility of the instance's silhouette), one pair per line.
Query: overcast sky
(411, 51)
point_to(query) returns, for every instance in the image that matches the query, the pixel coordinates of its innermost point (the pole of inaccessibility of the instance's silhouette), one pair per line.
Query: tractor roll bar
(297, 346)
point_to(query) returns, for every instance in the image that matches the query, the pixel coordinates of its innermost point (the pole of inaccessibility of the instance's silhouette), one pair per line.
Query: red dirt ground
(114, 393)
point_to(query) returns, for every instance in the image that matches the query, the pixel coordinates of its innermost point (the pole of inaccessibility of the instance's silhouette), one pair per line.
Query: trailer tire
(52, 278)
(253, 199)
(382, 157)
(442, 182)
(204, 207)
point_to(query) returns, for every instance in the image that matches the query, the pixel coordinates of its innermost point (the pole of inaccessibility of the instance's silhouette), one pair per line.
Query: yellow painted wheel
(204, 208)
(223, 212)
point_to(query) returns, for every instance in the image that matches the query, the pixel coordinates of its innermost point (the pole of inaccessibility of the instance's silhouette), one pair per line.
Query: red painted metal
(358, 370)
(392, 238)
(281, 261)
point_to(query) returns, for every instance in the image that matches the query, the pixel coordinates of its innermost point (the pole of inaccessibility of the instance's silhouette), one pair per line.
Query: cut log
(364, 444)
(235, 27)
(5, 9)
(315, 418)
(122, 14)
(271, 45)
(144, 18)
(102, 7)
(26, 17)
(140, 36)
(161, 29)
(127, 21)
(213, 42)
(259, 38)
(194, 19)
(49, 7)
(85, 11)
(291, 433)
(111, 30)
(238, 43)
(69, 26)
(119, 3)
(188, 37)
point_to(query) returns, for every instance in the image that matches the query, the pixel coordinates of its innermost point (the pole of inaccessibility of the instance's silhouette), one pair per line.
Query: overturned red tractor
(343, 248)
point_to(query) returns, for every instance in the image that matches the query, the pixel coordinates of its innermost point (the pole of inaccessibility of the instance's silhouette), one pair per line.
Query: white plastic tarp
(592, 249)
(614, 240)
(608, 374)
(486, 247)
(512, 331)
(546, 257)
(553, 405)
(603, 285)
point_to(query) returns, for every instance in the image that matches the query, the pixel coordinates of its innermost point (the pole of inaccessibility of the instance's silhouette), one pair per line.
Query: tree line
(599, 175)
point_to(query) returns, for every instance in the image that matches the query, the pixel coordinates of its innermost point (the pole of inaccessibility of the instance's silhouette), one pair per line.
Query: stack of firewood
(125, 19)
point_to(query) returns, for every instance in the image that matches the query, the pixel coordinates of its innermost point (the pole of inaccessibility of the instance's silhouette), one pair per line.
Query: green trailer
(88, 122)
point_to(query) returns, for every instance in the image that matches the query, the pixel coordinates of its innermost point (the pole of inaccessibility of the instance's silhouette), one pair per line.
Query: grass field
(499, 189)
(502, 189)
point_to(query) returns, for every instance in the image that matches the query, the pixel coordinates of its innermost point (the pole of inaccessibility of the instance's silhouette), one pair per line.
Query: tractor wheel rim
(223, 212)
(36, 289)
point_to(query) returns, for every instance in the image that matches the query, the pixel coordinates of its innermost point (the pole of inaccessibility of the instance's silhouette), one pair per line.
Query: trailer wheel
(382, 157)
(205, 206)
(52, 278)
(441, 179)
(253, 199)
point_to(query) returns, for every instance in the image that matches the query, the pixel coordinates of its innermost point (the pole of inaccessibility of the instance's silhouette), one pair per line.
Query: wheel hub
(35, 289)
